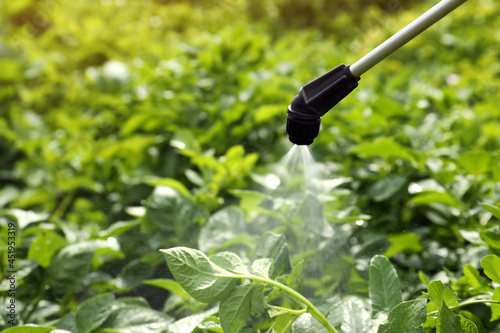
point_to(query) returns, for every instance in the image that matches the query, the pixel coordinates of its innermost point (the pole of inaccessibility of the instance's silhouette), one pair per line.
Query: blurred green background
(102, 101)
(93, 93)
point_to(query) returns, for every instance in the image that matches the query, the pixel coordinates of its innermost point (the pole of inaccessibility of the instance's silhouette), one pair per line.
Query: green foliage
(385, 289)
(405, 317)
(439, 293)
(208, 282)
(187, 265)
(129, 127)
(93, 312)
(448, 321)
(491, 265)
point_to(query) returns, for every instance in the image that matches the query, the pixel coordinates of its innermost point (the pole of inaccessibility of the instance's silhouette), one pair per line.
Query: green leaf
(105, 250)
(234, 311)
(134, 272)
(134, 122)
(475, 162)
(472, 236)
(258, 304)
(385, 105)
(438, 293)
(331, 308)
(356, 316)
(385, 147)
(198, 275)
(118, 228)
(283, 323)
(69, 267)
(491, 238)
(473, 281)
(448, 321)
(424, 278)
(43, 247)
(385, 288)
(136, 319)
(93, 312)
(29, 329)
(67, 322)
(491, 265)
(405, 242)
(468, 326)
(172, 213)
(189, 323)
(24, 268)
(291, 279)
(263, 267)
(274, 246)
(10, 70)
(495, 308)
(221, 227)
(427, 198)
(265, 113)
(211, 324)
(26, 217)
(406, 317)
(386, 187)
(172, 183)
(169, 285)
(495, 210)
(249, 199)
(229, 261)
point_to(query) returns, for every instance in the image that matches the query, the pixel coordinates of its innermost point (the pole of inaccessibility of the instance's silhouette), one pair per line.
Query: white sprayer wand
(317, 97)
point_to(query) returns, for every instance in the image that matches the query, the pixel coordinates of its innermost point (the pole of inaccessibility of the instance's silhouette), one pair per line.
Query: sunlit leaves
(448, 321)
(405, 242)
(93, 312)
(495, 308)
(385, 289)
(70, 266)
(274, 246)
(438, 293)
(385, 147)
(43, 247)
(198, 275)
(491, 265)
(235, 310)
(406, 317)
(131, 318)
(495, 210)
(29, 329)
(221, 227)
(168, 211)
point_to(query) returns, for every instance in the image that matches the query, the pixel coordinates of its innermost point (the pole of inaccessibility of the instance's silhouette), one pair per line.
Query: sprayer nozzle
(302, 131)
(314, 100)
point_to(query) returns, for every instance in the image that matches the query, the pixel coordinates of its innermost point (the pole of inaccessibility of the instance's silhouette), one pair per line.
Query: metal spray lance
(319, 96)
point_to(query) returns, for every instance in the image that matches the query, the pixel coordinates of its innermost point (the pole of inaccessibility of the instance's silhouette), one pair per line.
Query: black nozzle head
(302, 132)
(314, 100)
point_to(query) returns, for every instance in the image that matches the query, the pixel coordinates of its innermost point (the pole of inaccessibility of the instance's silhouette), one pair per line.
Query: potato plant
(141, 170)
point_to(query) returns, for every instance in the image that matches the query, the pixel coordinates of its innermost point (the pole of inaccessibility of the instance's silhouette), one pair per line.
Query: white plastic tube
(406, 34)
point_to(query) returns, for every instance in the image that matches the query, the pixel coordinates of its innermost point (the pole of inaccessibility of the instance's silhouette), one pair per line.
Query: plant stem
(293, 312)
(310, 307)
(63, 205)
(461, 305)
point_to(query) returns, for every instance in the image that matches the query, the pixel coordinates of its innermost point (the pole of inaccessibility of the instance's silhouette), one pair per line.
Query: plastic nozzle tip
(302, 132)
(314, 100)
